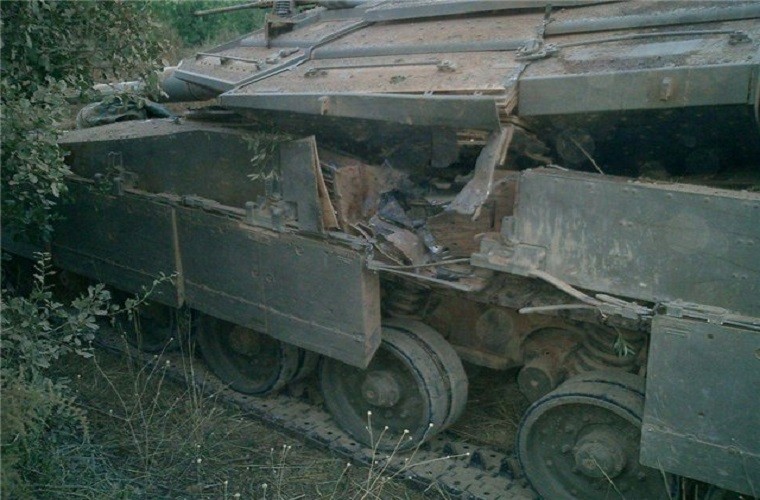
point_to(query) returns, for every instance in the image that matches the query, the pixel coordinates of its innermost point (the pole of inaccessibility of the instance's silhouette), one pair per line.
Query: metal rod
(639, 36)
(684, 16)
(558, 307)
(231, 58)
(429, 264)
(330, 4)
(376, 266)
(565, 287)
(220, 10)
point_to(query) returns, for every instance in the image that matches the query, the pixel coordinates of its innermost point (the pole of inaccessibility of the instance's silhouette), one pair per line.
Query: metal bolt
(277, 222)
(446, 66)
(324, 105)
(666, 88)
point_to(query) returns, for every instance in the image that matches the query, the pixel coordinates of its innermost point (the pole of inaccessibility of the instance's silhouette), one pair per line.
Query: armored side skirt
(702, 413)
(643, 240)
(311, 292)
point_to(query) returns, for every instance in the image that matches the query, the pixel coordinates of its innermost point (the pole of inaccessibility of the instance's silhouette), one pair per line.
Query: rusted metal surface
(471, 198)
(357, 186)
(484, 333)
(545, 358)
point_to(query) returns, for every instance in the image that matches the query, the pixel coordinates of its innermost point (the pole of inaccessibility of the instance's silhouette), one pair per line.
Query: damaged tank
(385, 189)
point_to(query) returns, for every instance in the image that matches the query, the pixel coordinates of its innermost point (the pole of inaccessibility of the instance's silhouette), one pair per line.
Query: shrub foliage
(53, 51)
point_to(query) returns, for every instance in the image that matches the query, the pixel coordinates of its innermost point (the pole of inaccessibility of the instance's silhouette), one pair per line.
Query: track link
(461, 469)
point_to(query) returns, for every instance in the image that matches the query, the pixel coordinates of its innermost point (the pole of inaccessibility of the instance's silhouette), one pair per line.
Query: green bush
(33, 170)
(51, 51)
(39, 414)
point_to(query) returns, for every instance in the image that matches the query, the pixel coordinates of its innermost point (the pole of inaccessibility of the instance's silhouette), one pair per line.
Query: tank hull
(570, 191)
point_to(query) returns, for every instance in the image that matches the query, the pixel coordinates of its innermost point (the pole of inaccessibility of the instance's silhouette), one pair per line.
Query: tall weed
(39, 414)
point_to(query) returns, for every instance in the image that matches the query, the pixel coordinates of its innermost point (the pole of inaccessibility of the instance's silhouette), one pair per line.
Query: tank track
(461, 469)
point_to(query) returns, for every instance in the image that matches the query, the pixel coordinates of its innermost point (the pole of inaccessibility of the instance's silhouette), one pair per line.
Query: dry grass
(494, 409)
(169, 440)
